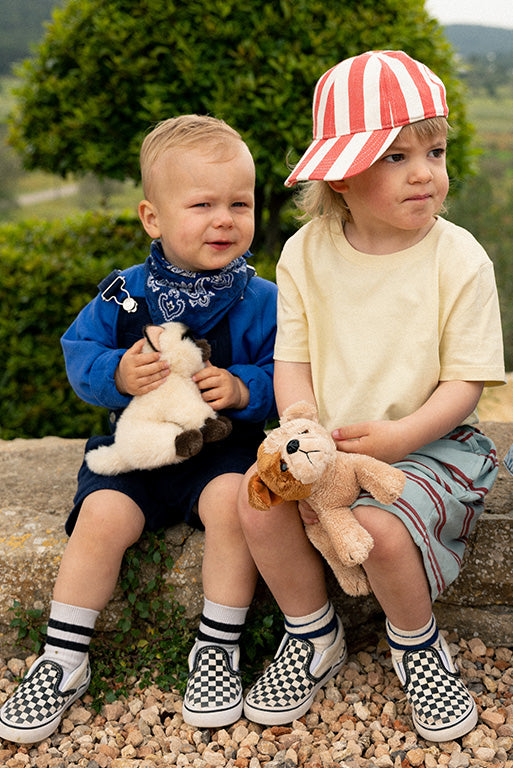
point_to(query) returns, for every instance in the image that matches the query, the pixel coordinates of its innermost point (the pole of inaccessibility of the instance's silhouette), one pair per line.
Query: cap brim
(341, 157)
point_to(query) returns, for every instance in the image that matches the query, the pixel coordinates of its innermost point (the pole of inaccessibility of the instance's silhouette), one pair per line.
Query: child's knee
(110, 515)
(391, 537)
(217, 503)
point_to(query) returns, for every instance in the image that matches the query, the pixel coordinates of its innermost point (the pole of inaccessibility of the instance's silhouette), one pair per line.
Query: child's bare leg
(229, 573)
(442, 708)
(395, 569)
(313, 648)
(213, 697)
(292, 569)
(109, 522)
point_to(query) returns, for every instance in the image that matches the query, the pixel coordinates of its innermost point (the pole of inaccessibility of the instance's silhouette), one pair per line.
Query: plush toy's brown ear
(260, 496)
(205, 348)
(300, 410)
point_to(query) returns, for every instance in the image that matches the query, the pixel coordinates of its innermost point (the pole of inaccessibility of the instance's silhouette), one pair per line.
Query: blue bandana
(198, 299)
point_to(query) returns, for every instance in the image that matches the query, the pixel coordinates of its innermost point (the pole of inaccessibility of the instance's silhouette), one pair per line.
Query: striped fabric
(446, 484)
(359, 108)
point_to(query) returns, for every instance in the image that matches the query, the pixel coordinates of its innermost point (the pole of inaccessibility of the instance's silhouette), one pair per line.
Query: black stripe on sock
(67, 644)
(220, 626)
(306, 635)
(75, 629)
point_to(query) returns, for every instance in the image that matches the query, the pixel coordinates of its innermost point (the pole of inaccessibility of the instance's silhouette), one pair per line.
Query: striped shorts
(446, 483)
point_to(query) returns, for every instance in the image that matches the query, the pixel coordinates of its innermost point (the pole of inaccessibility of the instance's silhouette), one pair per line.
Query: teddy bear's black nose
(292, 446)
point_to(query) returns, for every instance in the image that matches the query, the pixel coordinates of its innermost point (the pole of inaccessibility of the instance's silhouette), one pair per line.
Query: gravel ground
(360, 718)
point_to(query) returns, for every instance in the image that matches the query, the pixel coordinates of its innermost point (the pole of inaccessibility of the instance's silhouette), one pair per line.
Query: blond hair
(317, 198)
(185, 131)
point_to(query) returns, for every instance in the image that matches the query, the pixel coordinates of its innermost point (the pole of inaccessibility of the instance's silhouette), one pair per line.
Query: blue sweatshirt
(92, 353)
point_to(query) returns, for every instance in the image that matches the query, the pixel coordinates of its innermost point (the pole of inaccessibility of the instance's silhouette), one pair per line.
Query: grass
(492, 117)
(68, 200)
(90, 196)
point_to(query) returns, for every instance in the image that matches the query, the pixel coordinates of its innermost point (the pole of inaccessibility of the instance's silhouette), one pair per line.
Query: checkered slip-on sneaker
(213, 697)
(38, 703)
(288, 686)
(442, 708)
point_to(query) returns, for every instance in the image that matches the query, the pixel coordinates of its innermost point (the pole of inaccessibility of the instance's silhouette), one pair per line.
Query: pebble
(360, 719)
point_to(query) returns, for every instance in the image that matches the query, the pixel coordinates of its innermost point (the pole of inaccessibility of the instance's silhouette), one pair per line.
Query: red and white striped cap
(359, 108)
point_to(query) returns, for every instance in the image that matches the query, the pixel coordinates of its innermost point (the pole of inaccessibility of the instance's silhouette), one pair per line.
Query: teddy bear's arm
(384, 482)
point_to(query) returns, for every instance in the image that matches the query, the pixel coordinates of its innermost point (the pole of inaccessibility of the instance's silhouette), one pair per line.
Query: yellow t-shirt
(380, 332)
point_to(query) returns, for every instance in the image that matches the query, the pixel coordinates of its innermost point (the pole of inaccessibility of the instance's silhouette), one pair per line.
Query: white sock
(69, 633)
(319, 627)
(404, 639)
(401, 640)
(220, 624)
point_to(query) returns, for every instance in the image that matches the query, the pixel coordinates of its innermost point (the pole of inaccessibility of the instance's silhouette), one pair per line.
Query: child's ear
(149, 218)
(339, 186)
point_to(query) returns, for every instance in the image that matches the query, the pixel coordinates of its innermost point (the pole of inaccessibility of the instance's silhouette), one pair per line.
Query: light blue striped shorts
(446, 483)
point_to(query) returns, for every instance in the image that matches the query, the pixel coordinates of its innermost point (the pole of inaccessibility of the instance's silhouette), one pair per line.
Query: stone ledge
(38, 484)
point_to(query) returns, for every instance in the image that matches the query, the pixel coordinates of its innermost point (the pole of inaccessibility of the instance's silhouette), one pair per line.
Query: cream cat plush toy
(170, 423)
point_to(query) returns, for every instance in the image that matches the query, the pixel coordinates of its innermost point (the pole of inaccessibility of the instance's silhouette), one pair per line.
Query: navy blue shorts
(169, 495)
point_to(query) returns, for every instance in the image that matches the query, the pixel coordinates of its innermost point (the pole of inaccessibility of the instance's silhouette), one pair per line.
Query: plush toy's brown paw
(355, 582)
(355, 548)
(188, 443)
(216, 429)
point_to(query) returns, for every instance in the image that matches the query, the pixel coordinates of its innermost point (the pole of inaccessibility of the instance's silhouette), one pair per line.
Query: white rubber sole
(218, 718)
(33, 735)
(284, 716)
(466, 723)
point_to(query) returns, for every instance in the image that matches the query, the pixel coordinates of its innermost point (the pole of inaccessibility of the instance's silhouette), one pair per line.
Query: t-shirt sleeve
(471, 345)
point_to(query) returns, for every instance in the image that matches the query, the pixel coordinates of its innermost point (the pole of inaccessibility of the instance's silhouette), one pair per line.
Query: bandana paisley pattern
(198, 299)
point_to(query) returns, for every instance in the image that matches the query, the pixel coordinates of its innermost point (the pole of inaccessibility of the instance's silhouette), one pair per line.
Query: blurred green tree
(10, 171)
(107, 70)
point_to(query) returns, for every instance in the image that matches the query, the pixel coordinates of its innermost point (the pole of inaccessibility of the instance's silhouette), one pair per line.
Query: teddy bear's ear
(259, 495)
(300, 410)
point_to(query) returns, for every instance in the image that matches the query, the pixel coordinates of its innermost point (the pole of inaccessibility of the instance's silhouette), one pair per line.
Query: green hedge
(48, 272)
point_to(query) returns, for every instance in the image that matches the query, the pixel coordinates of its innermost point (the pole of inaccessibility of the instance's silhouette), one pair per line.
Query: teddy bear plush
(170, 423)
(299, 460)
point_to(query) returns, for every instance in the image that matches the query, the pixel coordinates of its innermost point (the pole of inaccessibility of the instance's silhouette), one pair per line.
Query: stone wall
(38, 484)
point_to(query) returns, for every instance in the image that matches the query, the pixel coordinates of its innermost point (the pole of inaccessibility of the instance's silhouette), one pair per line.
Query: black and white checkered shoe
(288, 686)
(213, 697)
(442, 708)
(38, 703)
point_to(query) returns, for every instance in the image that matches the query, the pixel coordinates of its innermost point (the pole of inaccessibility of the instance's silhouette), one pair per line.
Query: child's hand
(385, 440)
(221, 389)
(138, 372)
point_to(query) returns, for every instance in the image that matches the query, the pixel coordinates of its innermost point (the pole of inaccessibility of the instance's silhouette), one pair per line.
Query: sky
(490, 13)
